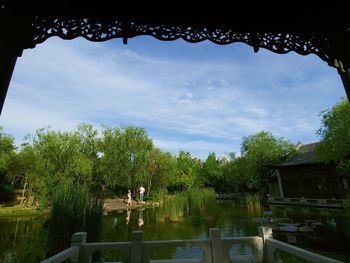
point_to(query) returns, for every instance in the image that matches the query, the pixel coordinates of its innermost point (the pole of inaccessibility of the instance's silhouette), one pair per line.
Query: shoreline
(19, 211)
(116, 204)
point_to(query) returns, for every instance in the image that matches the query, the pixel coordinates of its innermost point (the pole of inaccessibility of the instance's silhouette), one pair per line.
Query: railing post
(216, 245)
(136, 247)
(266, 233)
(78, 240)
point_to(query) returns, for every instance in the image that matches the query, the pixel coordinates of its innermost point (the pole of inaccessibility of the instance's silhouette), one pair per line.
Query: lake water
(23, 239)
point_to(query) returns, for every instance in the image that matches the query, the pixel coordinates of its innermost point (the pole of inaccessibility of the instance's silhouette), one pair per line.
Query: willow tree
(125, 154)
(188, 169)
(258, 151)
(161, 170)
(335, 136)
(63, 156)
(7, 155)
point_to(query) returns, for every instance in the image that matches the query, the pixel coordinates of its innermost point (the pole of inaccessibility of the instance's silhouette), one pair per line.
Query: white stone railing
(70, 253)
(273, 247)
(215, 249)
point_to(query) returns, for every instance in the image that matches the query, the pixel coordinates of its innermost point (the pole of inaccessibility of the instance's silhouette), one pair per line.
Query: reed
(72, 210)
(252, 203)
(201, 200)
(195, 202)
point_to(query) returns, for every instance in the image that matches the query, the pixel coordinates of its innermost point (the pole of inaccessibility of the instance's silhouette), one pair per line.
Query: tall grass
(252, 203)
(195, 202)
(72, 210)
(201, 201)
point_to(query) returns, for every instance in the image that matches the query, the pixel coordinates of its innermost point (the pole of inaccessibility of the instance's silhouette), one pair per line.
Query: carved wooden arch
(328, 40)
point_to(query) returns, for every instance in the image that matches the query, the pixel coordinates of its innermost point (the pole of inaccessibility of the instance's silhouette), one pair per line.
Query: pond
(24, 239)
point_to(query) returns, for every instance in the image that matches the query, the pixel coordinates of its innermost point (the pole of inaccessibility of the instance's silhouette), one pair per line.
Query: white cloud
(63, 83)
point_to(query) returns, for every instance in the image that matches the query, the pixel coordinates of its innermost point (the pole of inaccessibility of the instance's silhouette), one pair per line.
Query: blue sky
(196, 97)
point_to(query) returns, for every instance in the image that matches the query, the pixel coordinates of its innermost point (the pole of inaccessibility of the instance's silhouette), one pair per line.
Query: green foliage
(232, 181)
(252, 203)
(174, 207)
(125, 156)
(335, 136)
(7, 153)
(195, 202)
(201, 200)
(32, 246)
(57, 157)
(211, 175)
(161, 171)
(72, 211)
(258, 151)
(188, 169)
(7, 192)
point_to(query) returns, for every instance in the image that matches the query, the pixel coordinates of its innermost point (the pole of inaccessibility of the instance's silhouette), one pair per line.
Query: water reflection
(141, 222)
(329, 235)
(128, 214)
(23, 240)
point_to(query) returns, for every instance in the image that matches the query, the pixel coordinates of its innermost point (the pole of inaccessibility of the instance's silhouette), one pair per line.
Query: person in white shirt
(142, 193)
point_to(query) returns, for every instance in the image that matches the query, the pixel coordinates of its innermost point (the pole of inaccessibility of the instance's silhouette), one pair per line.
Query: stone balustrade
(263, 248)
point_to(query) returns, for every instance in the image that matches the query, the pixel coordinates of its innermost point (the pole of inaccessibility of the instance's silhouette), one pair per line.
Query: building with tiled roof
(307, 176)
(306, 155)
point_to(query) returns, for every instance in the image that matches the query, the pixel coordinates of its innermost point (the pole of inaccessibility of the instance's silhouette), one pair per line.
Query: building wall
(313, 181)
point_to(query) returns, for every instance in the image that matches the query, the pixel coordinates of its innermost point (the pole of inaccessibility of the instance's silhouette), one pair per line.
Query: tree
(259, 151)
(161, 170)
(125, 156)
(335, 136)
(7, 157)
(23, 171)
(63, 156)
(7, 154)
(211, 175)
(188, 170)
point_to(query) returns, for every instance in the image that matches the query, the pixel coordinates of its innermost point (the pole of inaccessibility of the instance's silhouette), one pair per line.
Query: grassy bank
(16, 211)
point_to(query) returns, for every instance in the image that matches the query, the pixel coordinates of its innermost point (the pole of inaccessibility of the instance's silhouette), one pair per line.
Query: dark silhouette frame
(325, 33)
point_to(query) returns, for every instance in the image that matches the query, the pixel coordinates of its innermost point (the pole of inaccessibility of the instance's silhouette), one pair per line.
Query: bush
(7, 193)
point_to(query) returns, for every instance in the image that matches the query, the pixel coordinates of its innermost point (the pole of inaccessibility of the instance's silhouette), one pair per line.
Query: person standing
(129, 199)
(142, 193)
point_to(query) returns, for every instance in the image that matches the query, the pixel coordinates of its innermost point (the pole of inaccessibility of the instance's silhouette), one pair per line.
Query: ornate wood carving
(102, 30)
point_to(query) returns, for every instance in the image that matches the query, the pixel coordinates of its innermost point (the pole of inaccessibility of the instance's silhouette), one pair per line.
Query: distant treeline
(117, 159)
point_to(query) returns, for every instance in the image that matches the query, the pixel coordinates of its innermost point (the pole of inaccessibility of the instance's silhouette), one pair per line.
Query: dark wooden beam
(345, 77)
(7, 65)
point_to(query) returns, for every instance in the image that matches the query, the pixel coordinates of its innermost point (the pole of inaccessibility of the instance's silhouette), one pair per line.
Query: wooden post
(136, 247)
(345, 77)
(7, 63)
(280, 185)
(266, 233)
(78, 240)
(216, 245)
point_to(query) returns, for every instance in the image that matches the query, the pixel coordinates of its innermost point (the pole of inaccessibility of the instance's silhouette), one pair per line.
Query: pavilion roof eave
(325, 33)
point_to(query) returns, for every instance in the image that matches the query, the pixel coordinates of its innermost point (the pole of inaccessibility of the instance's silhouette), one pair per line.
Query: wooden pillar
(280, 185)
(345, 77)
(8, 59)
(15, 35)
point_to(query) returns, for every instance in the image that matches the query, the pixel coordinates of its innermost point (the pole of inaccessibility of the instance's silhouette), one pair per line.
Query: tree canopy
(335, 135)
(257, 152)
